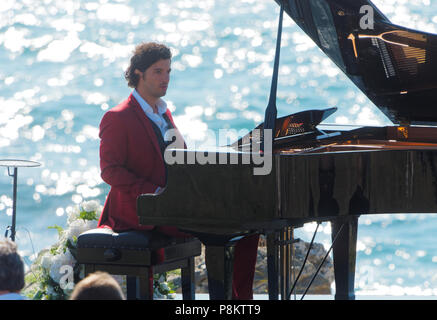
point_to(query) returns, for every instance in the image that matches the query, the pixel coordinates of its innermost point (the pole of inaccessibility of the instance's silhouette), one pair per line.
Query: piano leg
(344, 253)
(219, 264)
(285, 261)
(188, 283)
(272, 264)
(279, 262)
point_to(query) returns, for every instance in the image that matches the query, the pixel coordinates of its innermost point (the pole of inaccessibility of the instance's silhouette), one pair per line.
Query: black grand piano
(317, 174)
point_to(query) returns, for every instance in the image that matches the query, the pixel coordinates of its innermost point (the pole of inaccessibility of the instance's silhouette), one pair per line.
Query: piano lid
(392, 65)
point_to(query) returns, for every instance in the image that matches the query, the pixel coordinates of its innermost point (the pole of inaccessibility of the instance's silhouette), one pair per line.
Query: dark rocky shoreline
(321, 284)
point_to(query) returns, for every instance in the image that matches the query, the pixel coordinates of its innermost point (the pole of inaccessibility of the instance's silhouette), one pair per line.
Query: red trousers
(245, 255)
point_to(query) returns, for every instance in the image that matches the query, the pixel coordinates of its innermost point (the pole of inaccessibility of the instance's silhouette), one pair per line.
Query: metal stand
(15, 164)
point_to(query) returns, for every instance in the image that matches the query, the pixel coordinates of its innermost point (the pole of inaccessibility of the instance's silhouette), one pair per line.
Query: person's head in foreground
(11, 271)
(97, 286)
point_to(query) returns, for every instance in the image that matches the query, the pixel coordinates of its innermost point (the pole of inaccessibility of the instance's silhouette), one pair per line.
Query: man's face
(154, 81)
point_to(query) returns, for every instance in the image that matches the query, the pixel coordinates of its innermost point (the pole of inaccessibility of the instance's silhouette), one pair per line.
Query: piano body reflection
(318, 173)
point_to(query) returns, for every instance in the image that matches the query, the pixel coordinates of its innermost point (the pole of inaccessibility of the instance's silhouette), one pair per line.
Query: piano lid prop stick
(271, 110)
(304, 261)
(323, 261)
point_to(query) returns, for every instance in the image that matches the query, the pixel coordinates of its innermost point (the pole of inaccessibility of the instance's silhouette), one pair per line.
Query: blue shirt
(157, 118)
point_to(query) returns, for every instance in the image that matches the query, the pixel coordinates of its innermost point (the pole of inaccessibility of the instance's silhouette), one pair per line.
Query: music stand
(12, 163)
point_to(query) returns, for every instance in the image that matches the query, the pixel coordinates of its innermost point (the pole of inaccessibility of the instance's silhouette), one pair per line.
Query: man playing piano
(131, 155)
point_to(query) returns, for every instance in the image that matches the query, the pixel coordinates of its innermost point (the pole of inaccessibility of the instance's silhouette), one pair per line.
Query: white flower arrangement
(55, 271)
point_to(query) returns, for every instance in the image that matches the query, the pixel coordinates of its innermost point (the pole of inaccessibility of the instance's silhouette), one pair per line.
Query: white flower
(59, 264)
(79, 226)
(90, 206)
(58, 261)
(91, 224)
(62, 241)
(73, 214)
(46, 260)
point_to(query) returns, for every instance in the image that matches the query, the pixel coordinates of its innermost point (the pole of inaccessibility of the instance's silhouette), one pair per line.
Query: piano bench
(139, 255)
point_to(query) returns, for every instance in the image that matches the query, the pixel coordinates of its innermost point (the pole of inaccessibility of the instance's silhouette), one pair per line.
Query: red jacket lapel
(145, 121)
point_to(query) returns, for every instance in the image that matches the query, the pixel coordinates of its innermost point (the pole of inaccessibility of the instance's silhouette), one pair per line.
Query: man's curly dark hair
(144, 55)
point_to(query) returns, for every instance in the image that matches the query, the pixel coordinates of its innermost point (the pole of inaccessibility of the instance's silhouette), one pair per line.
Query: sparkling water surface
(62, 65)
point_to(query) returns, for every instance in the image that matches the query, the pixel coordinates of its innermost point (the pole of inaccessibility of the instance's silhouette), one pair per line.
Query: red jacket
(130, 161)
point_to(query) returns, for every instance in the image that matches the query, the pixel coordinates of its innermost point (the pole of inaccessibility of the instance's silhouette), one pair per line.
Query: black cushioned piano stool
(139, 255)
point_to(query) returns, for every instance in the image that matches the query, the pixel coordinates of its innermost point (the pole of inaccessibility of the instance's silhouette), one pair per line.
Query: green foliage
(88, 215)
(163, 288)
(58, 228)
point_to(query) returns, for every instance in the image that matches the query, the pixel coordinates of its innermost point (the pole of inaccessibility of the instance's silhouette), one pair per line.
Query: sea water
(62, 65)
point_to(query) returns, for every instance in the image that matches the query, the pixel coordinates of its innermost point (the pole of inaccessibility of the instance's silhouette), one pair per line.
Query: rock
(321, 285)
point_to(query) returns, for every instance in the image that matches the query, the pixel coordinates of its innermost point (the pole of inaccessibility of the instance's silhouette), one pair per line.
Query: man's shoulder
(121, 114)
(123, 109)
(123, 106)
